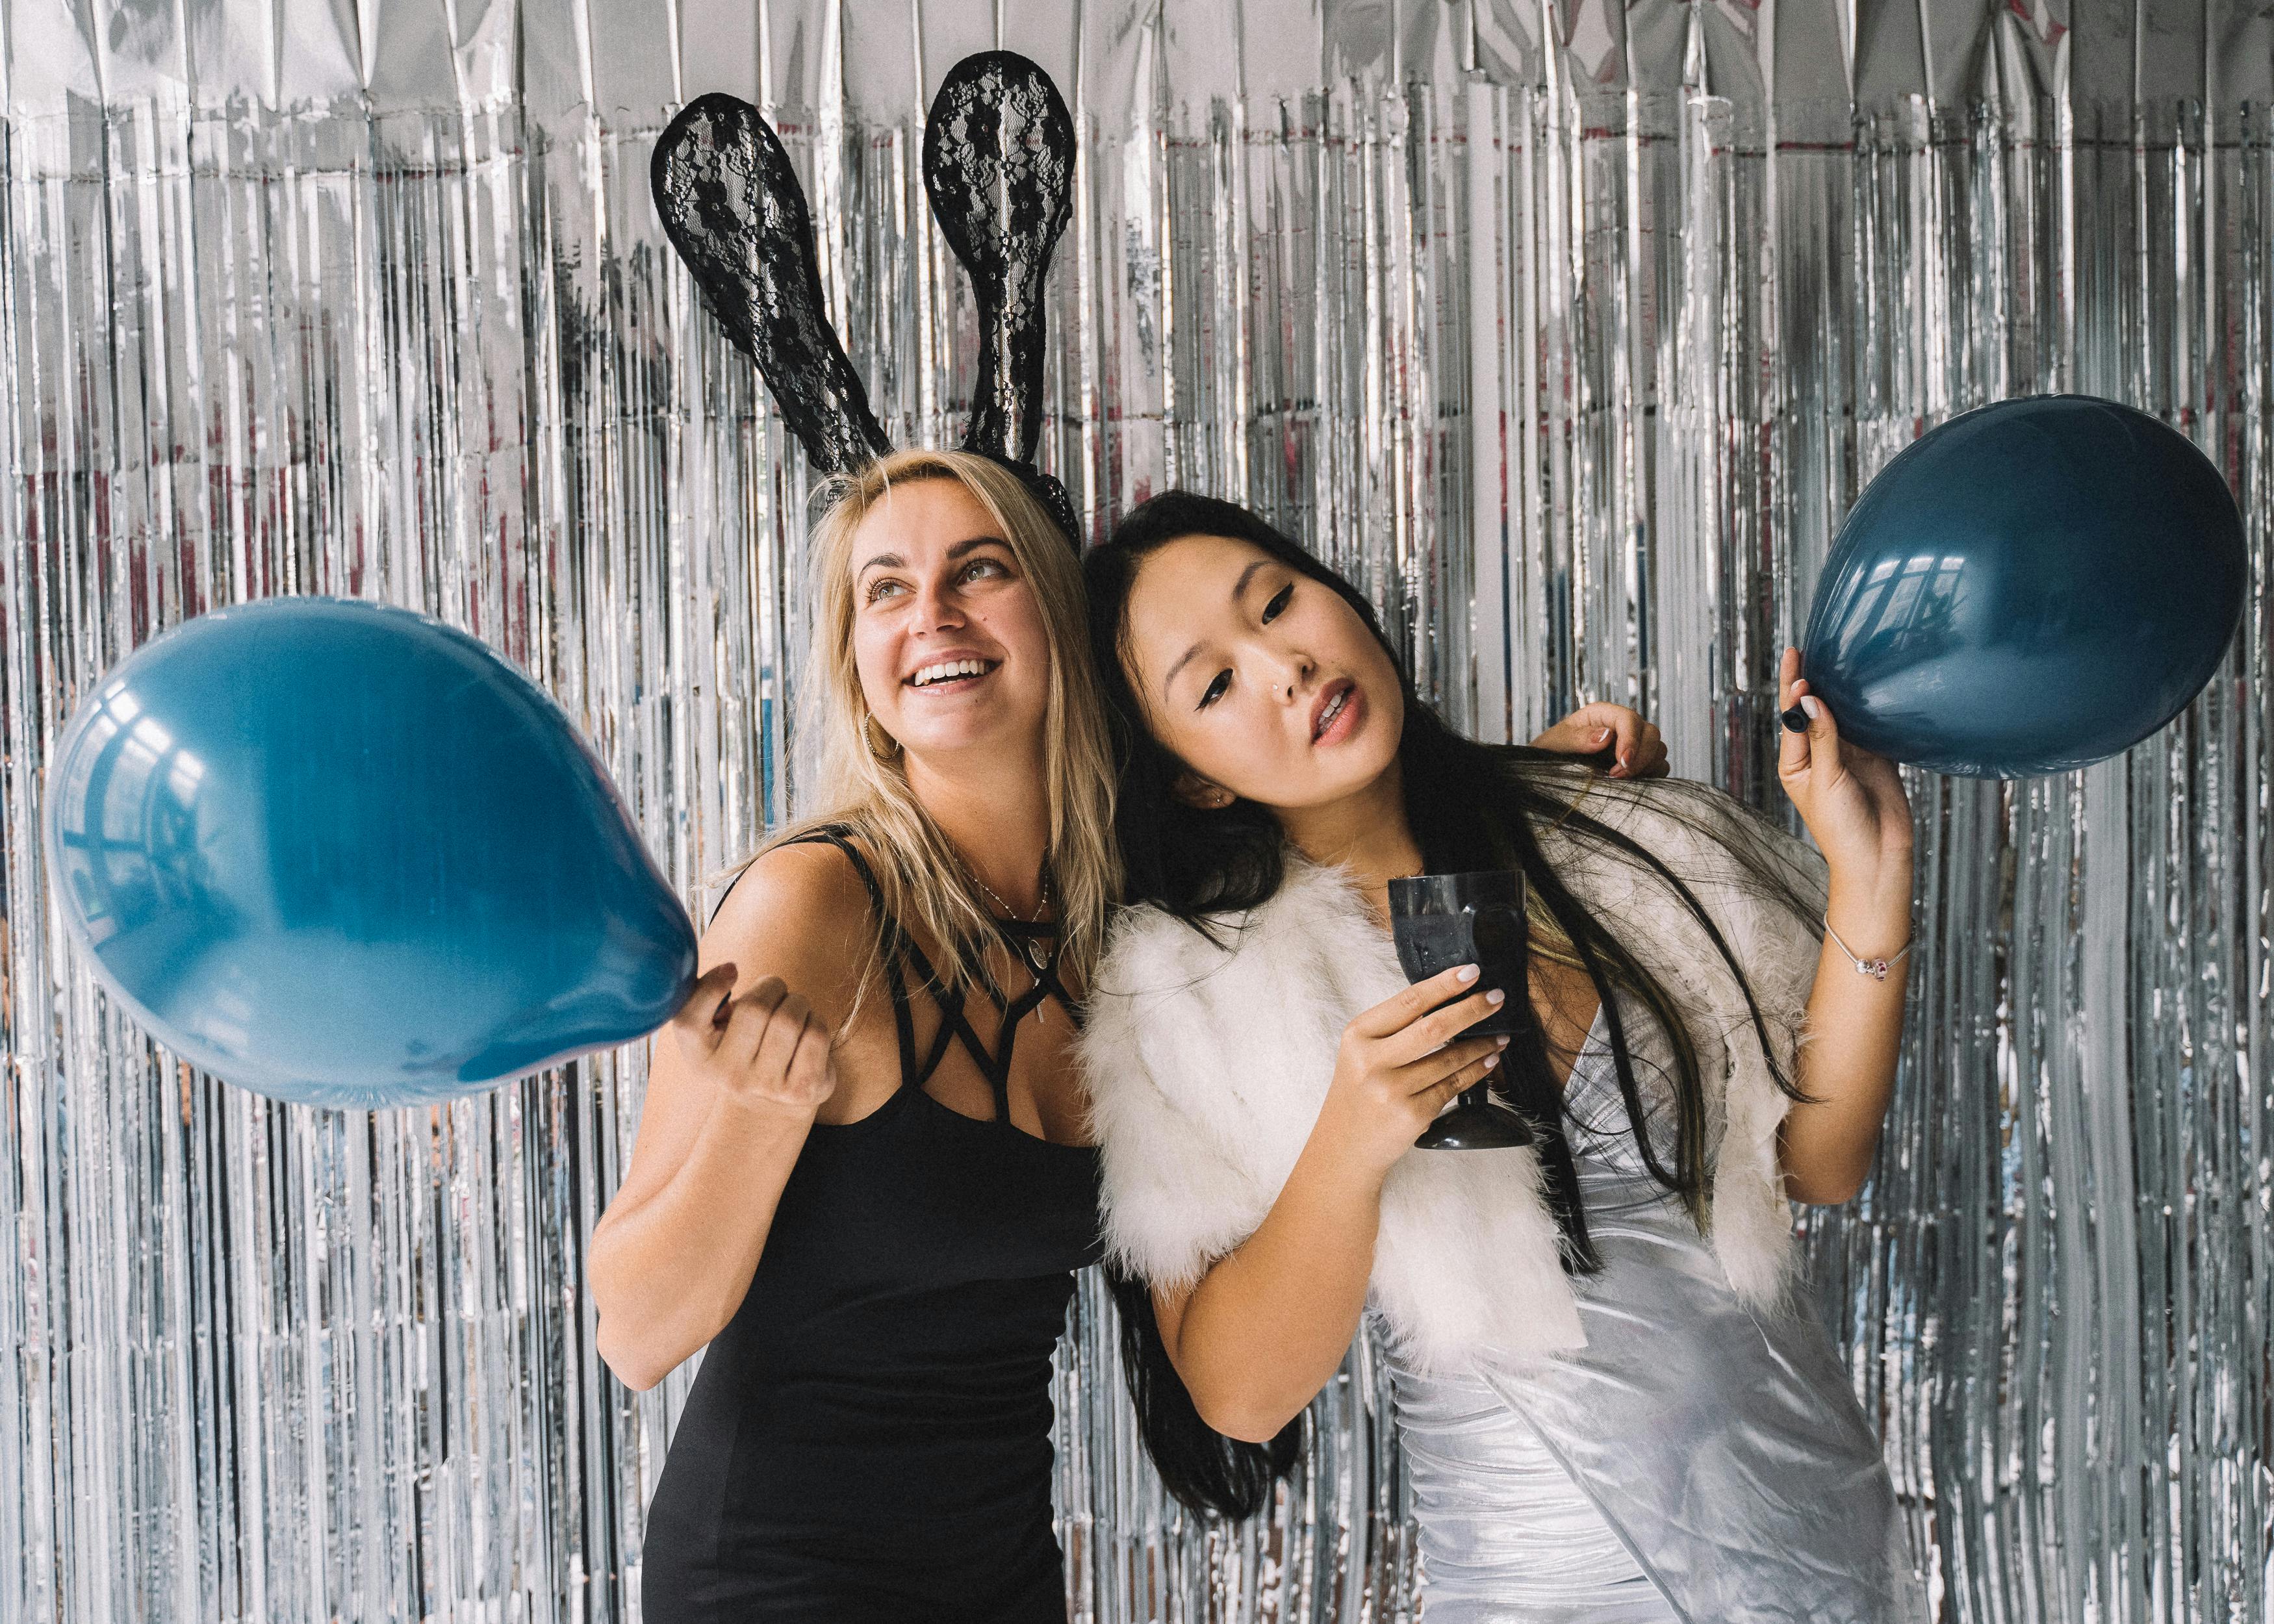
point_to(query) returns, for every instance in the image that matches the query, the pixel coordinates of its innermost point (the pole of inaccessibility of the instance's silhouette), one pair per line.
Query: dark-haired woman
(1612, 1407)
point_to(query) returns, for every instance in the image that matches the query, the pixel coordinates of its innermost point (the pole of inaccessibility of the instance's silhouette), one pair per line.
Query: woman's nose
(1290, 670)
(937, 606)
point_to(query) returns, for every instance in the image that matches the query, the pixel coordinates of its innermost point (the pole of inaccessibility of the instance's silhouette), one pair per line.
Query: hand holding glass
(1442, 920)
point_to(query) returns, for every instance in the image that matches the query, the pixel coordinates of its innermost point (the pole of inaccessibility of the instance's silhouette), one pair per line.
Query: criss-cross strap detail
(902, 956)
(1047, 983)
(994, 1064)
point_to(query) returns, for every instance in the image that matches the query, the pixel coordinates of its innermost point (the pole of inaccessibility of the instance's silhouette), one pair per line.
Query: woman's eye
(879, 589)
(1215, 690)
(1278, 602)
(971, 570)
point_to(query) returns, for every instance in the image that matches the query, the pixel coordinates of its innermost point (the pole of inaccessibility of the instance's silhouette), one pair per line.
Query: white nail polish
(1808, 703)
(1495, 996)
(1467, 972)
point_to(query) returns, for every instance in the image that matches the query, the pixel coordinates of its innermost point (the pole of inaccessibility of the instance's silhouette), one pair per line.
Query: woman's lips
(1344, 720)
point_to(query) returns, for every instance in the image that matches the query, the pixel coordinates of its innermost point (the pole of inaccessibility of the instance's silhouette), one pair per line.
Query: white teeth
(1333, 709)
(946, 669)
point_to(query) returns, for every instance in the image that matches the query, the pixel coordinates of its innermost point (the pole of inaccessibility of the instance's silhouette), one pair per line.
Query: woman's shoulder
(1578, 786)
(1760, 844)
(1147, 937)
(1687, 823)
(1147, 946)
(802, 899)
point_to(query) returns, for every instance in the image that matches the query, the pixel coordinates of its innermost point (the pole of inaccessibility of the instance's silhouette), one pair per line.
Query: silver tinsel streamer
(1571, 330)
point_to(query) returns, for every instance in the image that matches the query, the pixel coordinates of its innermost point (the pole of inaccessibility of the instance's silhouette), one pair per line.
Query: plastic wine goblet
(1442, 920)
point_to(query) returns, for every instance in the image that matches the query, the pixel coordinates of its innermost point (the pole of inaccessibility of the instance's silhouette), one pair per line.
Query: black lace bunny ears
(998, 168)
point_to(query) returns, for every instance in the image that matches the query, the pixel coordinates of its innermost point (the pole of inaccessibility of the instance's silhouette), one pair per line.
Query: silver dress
(1695, 1463)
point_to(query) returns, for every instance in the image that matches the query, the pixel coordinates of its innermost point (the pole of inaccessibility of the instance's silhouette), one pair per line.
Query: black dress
(869, 1438)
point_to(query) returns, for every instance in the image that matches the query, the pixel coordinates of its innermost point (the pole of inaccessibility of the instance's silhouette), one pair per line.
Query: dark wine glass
(1443, 919)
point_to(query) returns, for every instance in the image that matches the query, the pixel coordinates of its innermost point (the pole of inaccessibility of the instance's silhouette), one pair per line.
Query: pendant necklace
(1026, 953)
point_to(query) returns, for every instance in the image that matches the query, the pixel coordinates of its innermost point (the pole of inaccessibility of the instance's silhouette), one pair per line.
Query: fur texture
(1206, 1066)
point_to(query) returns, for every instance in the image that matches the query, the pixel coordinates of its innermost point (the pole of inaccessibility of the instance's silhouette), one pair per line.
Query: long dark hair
(1470, 805)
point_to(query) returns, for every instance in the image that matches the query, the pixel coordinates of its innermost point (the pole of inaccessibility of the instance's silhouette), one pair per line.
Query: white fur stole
(1206, 1068)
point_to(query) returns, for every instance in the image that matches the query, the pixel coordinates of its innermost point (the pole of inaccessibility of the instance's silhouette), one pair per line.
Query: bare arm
(1267, 1327)
(1853, 804)
(733, 1089)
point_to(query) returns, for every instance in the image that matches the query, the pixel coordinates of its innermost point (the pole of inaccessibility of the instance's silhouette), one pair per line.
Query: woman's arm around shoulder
(734, 1084)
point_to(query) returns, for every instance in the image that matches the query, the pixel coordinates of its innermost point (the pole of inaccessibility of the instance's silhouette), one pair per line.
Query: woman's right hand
(764, 1049)
(1403, 1061)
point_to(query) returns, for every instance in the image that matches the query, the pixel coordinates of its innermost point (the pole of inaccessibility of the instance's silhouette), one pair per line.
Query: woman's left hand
(1635, 749)
(1852, 800)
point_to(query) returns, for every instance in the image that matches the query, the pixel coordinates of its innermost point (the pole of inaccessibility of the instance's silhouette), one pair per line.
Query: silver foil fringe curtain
(1572, 329)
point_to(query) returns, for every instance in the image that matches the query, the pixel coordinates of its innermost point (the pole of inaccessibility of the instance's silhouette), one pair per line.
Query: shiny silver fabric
(1506, 1533)
(1694, 1463)
(1571, 330)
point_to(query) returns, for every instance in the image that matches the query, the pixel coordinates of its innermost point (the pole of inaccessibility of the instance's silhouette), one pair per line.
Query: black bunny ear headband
(998, 168)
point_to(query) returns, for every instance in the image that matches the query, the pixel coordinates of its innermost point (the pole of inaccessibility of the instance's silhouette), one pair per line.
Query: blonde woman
(864, 1195)
(867, 1196)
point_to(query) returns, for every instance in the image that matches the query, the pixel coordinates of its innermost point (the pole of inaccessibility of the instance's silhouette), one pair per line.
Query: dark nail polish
(1795, 721)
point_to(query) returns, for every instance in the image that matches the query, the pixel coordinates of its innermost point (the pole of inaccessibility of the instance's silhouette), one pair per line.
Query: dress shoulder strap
(892, 945)
(905, 962)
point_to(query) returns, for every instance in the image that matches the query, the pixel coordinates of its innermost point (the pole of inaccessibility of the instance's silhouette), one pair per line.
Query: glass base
(1478, 1123)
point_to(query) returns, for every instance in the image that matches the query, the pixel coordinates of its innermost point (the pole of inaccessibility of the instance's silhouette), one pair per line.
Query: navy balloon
(341, 853)
(2028, 588)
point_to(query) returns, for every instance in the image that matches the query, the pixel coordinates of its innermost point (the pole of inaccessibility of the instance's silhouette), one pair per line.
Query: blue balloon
(342, 854)
(2030, 588)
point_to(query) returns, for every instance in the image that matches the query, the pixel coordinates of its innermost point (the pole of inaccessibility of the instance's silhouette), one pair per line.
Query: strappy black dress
(869, 1440)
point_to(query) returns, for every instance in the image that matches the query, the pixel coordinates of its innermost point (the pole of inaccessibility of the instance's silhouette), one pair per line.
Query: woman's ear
(1195, 791)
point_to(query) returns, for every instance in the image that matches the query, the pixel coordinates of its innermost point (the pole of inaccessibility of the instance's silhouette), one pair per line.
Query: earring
(881, 744)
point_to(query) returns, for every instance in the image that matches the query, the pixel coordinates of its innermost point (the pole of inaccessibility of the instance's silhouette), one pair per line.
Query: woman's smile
(951, 674)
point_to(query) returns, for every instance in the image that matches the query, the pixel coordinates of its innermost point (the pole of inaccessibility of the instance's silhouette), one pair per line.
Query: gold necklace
(1027, 954)
(994, 897)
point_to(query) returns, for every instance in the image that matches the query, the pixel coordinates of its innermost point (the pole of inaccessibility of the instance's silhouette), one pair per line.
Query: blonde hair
(862, 781)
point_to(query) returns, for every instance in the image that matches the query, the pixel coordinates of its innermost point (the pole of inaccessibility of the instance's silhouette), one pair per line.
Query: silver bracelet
(1876, 968)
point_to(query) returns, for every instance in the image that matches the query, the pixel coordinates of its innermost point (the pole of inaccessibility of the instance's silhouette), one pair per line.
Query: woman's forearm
(1847, 1067)
(667, 1275)
(1266, 1329)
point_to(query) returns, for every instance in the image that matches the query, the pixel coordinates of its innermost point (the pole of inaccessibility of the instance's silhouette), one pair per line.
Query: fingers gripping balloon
(998, 168)
(2028, 589)
(341, 853)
